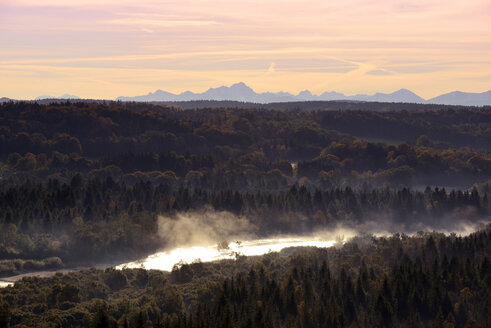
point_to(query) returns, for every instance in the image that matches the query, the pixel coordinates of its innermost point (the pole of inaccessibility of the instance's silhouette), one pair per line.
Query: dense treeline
(428, 280)
(459, 127)
(398, 164)
(241, 148)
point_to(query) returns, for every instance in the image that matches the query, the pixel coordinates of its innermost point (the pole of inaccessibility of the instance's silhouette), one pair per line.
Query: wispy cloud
(379, 72)
(352, 46)
(160, 22)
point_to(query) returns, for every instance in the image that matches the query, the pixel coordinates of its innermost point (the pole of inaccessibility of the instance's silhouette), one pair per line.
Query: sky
(108, 48)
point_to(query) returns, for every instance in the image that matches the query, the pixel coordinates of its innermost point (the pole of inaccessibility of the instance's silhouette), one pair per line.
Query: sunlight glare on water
(165, 260)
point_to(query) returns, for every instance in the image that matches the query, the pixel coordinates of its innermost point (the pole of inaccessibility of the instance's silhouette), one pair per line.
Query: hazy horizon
(108, 48)
(296, 96)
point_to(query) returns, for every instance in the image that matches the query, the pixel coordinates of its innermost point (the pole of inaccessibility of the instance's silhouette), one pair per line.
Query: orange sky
(105, 49)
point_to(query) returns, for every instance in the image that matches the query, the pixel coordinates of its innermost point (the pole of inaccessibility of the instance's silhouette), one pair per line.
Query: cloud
(379, 72)
(161, 22)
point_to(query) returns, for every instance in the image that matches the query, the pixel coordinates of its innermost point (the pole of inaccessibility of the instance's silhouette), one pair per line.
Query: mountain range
(65, 96)
(242, 92)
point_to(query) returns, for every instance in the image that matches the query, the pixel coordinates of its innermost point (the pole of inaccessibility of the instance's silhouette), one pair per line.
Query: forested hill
(244, 146)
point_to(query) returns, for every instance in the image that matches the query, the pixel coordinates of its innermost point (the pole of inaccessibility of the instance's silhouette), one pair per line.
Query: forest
(245, 148)
(428, 280)
(84, 184)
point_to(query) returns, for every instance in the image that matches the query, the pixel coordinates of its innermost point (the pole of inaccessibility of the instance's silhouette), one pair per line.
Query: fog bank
(202, 228)
(208, 228)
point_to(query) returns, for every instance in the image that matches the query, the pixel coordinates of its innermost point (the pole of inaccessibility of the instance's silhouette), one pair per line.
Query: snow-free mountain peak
(242, 92)
(68, 96)
(463, 98)
(65, 96)
(306, 95)
(241, 86)
(402, 95)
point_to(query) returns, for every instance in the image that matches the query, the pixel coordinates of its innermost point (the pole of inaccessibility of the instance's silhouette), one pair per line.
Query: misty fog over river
(209, 251)
(212, 236)
(165, 260)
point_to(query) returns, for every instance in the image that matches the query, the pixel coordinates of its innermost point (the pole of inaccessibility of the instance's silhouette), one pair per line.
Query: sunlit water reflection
(165, 260)
(4, 284)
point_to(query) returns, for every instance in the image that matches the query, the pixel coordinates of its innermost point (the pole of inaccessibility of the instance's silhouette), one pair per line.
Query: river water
(166, 259)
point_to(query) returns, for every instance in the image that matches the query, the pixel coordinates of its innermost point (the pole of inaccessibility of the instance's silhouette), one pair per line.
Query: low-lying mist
(203, 228)
(209, 235)
(209, 227)
(461, 221)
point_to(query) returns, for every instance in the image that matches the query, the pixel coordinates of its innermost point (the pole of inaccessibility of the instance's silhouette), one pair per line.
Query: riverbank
(165, 260)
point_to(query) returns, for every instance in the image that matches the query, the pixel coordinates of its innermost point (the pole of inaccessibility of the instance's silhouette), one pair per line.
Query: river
(166, 259)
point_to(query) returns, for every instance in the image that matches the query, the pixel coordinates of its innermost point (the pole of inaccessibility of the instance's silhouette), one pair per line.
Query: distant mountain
(237, 92)
(65, 96)
(463, 98)
(403, 95)
(44, 97)
(333, 95)
(242, 92)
